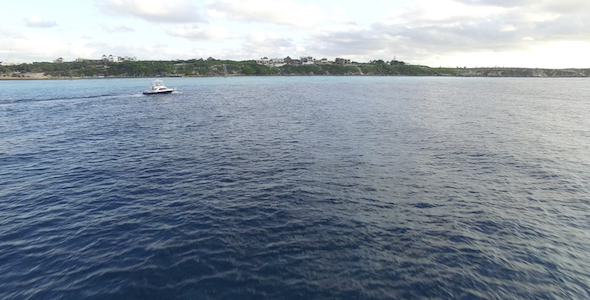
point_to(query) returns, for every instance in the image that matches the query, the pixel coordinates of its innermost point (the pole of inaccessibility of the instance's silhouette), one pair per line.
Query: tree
(248, 70)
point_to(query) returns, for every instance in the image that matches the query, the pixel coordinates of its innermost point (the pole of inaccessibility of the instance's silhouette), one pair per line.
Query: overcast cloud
(446, 32)
(270, 44)
(195, 32)
(116, 29)
(169, 11)
(37, 22)
(515, 28)
(283, 12)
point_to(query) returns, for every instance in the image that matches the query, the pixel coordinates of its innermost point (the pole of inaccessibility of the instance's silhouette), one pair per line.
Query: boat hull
(158, 92)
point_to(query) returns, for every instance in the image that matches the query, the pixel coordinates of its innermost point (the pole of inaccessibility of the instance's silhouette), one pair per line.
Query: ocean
(312, 187)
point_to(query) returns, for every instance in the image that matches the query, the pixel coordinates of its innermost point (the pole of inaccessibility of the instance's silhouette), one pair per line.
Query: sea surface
(295, 188)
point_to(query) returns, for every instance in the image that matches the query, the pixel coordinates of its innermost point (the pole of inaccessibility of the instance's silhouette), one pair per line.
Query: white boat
(158, 87)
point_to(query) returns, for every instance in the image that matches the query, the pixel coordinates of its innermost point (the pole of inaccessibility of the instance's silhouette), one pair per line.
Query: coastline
(429, 72)
(98, 69)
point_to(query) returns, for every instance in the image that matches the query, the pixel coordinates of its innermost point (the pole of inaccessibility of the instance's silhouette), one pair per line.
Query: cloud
(89, 48)
(10, 33)
(170, 11)
(116, 29)
(426, 32)
(443, 10)
(475, 28)
(37, 22)
(573, 7)
(343, 22)
(281, 12)
(26, 47)
(458, 30)
(339, 10)
(353, 43)
(197, 33)
(271, 44)
(500, 3)
(548, 5)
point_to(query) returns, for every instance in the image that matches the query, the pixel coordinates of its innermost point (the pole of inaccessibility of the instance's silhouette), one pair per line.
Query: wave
(66, 98)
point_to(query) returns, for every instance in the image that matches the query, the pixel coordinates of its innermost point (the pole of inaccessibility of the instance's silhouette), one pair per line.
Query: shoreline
(355, 71)
(227, 68)
(293, 75)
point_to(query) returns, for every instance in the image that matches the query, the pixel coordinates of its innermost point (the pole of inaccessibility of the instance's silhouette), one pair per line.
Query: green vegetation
(214, 67)
(445, 71)
(209, 67)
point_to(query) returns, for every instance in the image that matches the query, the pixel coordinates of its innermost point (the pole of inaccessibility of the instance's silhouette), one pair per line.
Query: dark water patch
(61, 98)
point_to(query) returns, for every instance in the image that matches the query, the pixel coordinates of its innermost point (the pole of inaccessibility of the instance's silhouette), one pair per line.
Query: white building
(323, 61)
(307, 60)
(342, 61)
(263, 61)
(277, 62)
(81, 59)
(273, 62)
(117, 59)
(127, 58)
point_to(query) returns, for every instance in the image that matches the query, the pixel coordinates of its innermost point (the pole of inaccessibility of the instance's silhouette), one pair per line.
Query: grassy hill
(213, 67)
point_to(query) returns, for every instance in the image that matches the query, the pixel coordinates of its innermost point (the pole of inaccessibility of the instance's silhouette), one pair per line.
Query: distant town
(110, 58)
(113, 66)
(275, 62)
(308, 60)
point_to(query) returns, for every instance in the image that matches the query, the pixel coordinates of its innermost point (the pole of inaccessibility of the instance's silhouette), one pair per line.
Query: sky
(447, 33)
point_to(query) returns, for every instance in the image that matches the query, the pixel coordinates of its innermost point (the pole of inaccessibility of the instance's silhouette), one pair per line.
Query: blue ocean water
(295, 188)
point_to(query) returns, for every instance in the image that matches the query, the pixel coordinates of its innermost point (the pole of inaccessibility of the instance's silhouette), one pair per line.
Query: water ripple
(257, 188)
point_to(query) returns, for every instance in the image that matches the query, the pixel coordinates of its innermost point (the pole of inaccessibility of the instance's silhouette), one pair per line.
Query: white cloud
(558, 55)
(88, 48)
(443, 10)
(449, 28)
(38, 22)
(435, 32)
(170, 11)
(428, 32)
(352, 42)
(270, 44)
(282, 12)
(197, 33)
(499, 3)
(30, 47)
(10, 33)
(507, 27)
(339, 10)
(116, 29)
